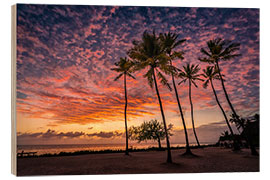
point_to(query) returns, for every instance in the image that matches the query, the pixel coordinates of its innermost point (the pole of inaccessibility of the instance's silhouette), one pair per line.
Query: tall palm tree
(170, 42)
(221, 50)
(124, 68)
(148, 53)
(191, 75)
(210, 74)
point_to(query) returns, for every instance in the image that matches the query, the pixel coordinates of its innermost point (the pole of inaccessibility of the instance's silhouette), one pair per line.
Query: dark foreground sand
(211, 159)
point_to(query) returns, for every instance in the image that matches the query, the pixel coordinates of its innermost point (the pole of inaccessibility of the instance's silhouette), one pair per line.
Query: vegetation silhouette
(151, 130)
(224, 139)
(124, 68)
(221, 50)
(250, 130)
(156, 54)
(170, 42)
(210, 74)
(148, 53)
(190, 74)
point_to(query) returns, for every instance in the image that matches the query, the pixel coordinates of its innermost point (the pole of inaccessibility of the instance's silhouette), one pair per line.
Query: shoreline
(106, 151)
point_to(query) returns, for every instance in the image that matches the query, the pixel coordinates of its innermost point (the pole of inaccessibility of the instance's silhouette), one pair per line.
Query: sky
(66, 91)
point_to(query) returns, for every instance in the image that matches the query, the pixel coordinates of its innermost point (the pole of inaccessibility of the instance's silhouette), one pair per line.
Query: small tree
(151, 130)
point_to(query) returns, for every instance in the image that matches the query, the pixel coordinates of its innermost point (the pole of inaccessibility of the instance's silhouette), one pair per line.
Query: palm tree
(148, 54)
(124, 68)
(221, 50)
(190, 73)
(210, 74)
(169, 42)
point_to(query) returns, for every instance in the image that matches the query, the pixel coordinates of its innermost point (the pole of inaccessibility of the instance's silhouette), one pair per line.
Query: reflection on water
(43, 149)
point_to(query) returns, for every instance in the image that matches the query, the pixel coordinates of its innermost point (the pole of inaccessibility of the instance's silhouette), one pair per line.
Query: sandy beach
(211, 159)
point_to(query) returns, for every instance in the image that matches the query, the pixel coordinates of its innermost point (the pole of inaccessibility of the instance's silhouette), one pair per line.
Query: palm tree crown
(210, 73)
(150, 53)
(169, 42)
(124, 66)
(219, 49)
(190, 73)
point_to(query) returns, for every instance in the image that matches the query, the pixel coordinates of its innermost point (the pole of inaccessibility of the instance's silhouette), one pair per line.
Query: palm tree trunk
(191, 110)
(225, 92)
(159, 143)
(125, 86)
(235, 144)
(188, 151)
(169, 156)
(223, 112)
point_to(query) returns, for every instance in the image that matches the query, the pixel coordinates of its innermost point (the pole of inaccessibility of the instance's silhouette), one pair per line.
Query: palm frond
(183, 81)
(163, 59)
(208, 60)
(116, 69)
(228, 57)
(178, 54)
(117, 77)
(130, 75)
(198, 78)
(149, 76)
(163, 80)
(205, 52)
(173, 70)
(193, 82)
(230, 49)
(205, 84)
(178, 43)
(167, 69)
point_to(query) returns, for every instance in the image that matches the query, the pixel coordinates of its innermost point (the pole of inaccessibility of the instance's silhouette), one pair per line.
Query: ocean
(44, 149)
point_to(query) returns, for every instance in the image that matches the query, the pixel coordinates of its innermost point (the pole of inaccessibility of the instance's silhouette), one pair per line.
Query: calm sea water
(43, 149)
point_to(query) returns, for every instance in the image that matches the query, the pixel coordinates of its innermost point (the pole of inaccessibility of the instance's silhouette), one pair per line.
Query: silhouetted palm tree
(210, 74)
(124, 68)
(169, 42)
(221, 50)
(148, 54)
(190, 73)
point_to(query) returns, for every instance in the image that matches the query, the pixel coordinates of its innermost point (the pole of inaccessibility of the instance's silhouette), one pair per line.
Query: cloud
(65, 53)
(51, 135)
(105, 134)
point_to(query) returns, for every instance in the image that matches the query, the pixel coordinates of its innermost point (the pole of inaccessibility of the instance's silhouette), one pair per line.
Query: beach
(210, 159)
